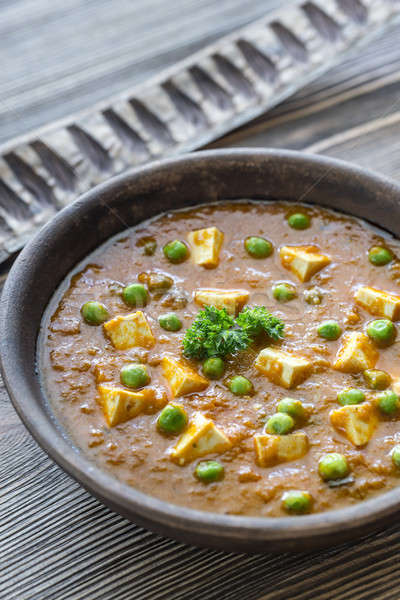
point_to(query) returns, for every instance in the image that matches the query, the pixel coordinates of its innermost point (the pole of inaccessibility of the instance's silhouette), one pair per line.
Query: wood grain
(59, 543)
(58, 58)
(234, 79)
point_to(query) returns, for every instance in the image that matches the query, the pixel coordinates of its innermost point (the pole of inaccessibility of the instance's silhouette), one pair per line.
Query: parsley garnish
(258, 319)
(215, 333)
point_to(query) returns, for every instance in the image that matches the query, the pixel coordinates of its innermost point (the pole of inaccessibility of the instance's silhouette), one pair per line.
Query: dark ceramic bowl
(103, 212)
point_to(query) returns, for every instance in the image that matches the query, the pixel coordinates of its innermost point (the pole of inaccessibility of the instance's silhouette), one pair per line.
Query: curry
(238, 357)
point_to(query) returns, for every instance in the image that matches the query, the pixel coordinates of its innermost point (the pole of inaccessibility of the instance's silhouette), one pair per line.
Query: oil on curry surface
(238, 358)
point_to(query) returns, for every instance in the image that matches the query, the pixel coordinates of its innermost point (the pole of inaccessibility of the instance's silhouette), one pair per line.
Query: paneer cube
(181, 378)
(357, 353)
(274, 449)
(127, 332)
(303, 261)
(206, 245)
(378, 302)
(232, 300)
(283, 368)
(396, 385)
(121, 405)
(202, 437)
(356, 421)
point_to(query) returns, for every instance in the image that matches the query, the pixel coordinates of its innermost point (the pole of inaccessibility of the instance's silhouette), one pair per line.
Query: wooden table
(57, 542)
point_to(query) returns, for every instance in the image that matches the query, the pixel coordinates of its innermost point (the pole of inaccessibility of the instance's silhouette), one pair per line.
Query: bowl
(124, 201)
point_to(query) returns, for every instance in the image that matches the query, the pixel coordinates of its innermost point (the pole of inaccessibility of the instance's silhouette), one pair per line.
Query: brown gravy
(74, 357)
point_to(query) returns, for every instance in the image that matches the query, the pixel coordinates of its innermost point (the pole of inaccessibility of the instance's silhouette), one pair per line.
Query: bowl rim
(120, 496)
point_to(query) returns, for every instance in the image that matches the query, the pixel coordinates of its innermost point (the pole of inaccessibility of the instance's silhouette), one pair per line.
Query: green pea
(135, 294)
(283, 292)
(292, 407)
(170, 322)
(209, 471)
(377, 380)
(329, 330)
(213, 368)
(156, 282)
(134, 375)
(350, 396)
(258, 247)
(279, 424)
(297, 501)
(333, 466)
(379, 256)
(240, 386)
(299, 221)
(381, 331)
(172, 419)
(396, 456)
(388, 403)
(150, 247)
(176, 251)
(94, 313)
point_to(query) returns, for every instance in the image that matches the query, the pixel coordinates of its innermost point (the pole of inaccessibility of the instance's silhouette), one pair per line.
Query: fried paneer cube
(232, 300)
(378, 302)
(206, 245)
(202, 437)
(303, 261)
(120, 405)
(396, 385)
(356, 421)
(356, 354)
(182, 378)
(129, 331)
(283, 368)
(274, 449)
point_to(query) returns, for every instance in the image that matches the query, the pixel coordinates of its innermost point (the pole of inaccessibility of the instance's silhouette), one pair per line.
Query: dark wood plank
(59, 58)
